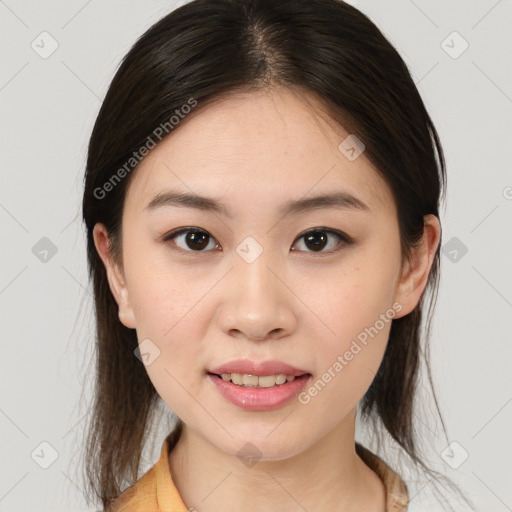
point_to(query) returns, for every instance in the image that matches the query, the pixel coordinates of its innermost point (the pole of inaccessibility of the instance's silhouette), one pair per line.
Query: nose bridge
(252, 263)
(256, 301)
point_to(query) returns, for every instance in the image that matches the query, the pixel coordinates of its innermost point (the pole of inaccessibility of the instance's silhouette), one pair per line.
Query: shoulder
(397, 497)
(141, 496)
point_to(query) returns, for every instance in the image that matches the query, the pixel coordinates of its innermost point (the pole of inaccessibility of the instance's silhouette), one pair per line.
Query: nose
(257, 302)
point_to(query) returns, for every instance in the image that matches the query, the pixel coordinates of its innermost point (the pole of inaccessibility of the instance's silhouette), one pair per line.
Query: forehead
(259, 147)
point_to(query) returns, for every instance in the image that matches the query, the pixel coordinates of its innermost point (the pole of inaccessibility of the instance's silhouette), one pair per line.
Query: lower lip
(259, 399)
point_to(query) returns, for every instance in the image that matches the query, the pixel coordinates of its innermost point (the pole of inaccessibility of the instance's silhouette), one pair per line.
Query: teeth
(253, 381)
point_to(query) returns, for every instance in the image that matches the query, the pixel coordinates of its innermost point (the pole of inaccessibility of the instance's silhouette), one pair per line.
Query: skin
(253, 152)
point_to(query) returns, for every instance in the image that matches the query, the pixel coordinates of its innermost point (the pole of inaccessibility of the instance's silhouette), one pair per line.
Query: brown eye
(191, 239)
(317, 239)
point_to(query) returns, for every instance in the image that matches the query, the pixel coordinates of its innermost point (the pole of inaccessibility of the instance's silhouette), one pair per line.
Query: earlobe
(115, 276)
(416, 270)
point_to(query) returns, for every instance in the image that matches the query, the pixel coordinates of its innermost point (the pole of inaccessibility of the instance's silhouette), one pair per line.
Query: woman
(261, 202)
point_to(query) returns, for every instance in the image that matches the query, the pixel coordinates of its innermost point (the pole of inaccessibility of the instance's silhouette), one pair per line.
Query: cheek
(355, 308)
(163, 297)
(169, 325)
(348, 360)
(350, 300)
(175, 332)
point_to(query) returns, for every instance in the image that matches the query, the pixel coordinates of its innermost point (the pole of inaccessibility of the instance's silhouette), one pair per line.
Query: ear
(414, 275)
(115, 276)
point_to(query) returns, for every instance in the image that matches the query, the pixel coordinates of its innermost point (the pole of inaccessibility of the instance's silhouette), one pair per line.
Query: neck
(328, 475)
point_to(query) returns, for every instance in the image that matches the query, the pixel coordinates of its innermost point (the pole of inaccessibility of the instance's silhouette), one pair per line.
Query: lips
(259, 398)
(259, 368)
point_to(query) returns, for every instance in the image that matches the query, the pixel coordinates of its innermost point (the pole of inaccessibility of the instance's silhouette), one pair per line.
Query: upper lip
(259, 368)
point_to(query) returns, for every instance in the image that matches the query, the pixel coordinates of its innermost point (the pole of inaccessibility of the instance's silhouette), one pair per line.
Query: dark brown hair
(208, 50)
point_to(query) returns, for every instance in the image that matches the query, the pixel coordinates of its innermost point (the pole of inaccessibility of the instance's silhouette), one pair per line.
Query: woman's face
(250, 281)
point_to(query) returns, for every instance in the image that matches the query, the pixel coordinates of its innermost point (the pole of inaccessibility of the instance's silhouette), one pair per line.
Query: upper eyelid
(180, 231)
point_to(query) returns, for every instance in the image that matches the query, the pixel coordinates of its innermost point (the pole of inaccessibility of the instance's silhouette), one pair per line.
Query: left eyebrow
(339, 200)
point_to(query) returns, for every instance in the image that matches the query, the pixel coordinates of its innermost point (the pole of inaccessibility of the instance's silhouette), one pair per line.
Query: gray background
(48, 106)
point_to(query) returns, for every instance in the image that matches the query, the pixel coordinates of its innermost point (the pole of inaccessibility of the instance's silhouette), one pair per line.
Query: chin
(261, 446)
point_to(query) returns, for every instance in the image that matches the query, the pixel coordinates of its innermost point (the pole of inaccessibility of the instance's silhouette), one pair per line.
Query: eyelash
(344, 238)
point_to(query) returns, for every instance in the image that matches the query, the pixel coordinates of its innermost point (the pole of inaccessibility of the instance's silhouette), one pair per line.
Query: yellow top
(155, 490)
